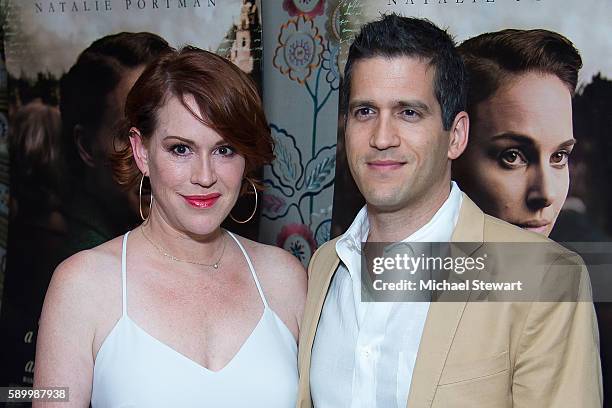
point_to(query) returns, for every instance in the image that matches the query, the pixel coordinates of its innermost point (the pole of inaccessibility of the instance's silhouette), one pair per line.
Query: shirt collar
(438, 229)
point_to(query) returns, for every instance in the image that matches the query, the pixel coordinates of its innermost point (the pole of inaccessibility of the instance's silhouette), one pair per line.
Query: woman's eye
(225, 150)
(180, 149)
(512, 158)
(560, 158)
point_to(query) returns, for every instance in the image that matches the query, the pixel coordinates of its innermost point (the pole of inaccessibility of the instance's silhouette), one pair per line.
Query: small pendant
(216, 266)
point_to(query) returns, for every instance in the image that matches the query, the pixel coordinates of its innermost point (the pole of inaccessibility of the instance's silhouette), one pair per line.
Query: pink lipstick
(202, 201)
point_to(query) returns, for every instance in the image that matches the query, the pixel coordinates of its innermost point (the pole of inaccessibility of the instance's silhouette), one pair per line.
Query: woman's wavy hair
(227, 99)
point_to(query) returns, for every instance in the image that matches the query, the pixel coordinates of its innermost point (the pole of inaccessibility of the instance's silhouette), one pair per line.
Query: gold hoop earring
(140, 200)
(254, 209)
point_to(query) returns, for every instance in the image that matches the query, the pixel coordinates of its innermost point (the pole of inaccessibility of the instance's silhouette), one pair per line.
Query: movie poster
(54, 211)
(4, 174)
(586, 24)
(301, 49)
(586, 214)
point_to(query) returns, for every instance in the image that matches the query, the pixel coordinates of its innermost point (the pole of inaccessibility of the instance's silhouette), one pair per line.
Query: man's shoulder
(328, 247)
(324, 257)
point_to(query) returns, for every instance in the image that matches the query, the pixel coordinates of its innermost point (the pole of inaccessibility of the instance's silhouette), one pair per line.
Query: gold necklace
(165, 253)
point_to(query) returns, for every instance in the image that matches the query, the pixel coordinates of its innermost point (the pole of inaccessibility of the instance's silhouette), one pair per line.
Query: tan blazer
(498, 354)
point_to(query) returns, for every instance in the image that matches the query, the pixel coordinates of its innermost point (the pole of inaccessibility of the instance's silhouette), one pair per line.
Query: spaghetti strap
(135, 368)
(124, 275)
(248, 259)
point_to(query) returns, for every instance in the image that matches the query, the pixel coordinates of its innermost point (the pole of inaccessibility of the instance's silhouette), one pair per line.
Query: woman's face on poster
(516, 163)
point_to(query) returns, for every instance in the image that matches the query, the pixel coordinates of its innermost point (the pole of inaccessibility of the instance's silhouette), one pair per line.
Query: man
(93, 95)
(404, 101)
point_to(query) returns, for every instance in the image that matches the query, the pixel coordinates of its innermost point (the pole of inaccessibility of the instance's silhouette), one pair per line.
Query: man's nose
(384, 135)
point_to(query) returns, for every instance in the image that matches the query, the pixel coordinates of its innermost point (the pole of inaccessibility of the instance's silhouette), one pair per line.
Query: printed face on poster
(535, 146)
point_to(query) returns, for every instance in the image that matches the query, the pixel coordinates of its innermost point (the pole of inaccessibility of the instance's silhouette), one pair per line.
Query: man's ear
(84, 143)
(459, 135)
(139, 150)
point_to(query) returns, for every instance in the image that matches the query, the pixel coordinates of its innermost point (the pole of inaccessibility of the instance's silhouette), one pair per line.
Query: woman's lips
(541, 227)
(540, 230)
(202, 201)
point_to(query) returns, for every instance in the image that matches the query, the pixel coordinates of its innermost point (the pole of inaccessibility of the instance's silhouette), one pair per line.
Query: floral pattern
(298, 240)
(299, 49)
(333, 26)
(288, 177)
(288, 185)
(323, 232)
(304, 167)
(310, 8)
(330, 64)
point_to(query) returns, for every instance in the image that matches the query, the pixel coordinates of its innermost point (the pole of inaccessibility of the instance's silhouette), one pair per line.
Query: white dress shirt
(364, 353)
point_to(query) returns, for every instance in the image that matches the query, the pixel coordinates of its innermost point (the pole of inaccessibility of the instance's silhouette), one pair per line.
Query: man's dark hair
(396, 36)
(84, 90)
(491, 58)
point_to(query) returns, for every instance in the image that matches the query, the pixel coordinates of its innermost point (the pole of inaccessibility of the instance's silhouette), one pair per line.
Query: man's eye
(409, 113)
(362, 112)
(512, 158)
(560, 158)
(180, 149)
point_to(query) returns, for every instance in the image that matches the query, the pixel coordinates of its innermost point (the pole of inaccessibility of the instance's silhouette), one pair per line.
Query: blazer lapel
(443, 317)
(323, 267)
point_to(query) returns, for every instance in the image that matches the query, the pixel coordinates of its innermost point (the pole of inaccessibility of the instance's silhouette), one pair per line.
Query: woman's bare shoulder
(283, 278)
(78, 300)
(274, 259)
(85, 275)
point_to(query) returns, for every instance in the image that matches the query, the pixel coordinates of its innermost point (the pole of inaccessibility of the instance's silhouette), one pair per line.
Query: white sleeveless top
(134, 369)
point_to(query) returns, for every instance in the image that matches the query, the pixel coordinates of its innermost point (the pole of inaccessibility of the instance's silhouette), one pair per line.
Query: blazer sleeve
(557, 361)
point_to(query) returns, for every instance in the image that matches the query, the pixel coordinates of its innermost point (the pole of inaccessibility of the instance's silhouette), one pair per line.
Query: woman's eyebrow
(515, 137)
(567, 143)
(179, 138)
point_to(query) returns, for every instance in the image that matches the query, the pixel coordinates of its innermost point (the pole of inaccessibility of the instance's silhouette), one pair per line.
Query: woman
(180, 312)
(515, 166)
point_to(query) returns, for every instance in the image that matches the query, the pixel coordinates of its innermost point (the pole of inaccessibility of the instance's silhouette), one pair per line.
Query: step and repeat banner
(301, 45)
(62, 198)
